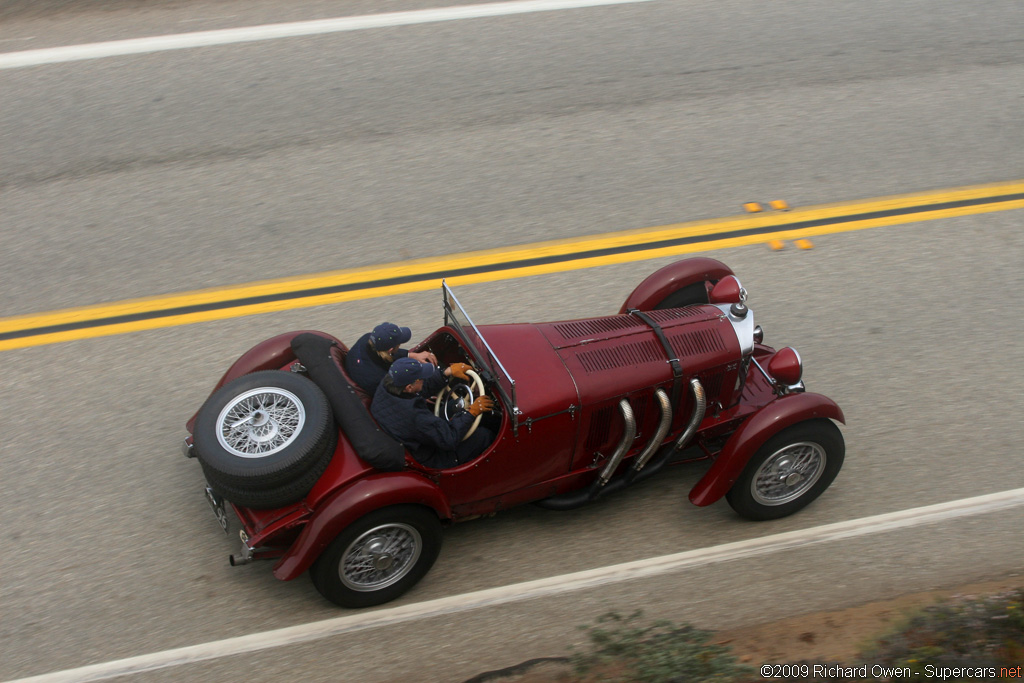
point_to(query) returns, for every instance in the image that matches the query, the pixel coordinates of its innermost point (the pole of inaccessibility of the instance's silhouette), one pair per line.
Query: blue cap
(407, 370)
(389, 335)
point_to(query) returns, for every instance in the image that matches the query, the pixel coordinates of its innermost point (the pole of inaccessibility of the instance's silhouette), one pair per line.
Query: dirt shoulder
(831, 636)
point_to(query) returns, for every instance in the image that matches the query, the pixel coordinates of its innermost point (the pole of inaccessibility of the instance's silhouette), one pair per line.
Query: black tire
(414, 530)
(695, 293)
(265, 499)
(285, 427)
(775, 484)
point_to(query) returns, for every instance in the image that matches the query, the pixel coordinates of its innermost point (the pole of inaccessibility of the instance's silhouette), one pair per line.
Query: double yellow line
(499, 264)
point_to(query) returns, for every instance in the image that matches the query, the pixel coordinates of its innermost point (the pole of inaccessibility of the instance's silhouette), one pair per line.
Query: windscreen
(456, 317)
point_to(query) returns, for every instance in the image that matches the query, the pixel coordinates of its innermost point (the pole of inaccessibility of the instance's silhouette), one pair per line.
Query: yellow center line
(497, 264)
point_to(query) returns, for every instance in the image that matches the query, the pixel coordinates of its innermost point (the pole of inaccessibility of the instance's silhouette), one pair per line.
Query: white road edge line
(181, 41)
(531, 590)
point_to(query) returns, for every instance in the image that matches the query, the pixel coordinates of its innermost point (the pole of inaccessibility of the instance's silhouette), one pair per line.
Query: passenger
(369, 358)
(401, 409)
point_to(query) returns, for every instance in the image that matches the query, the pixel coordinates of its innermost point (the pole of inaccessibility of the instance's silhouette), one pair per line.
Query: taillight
(786, 366)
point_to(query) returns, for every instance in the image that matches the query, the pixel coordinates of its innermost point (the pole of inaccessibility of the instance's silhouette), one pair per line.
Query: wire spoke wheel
(260, 422)
(380, 557)
(789, 470)
(788, 473)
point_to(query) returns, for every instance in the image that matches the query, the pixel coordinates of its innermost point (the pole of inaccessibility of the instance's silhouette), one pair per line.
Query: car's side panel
(755, 430)
(270, 354)
(540, 451)
(348, 504)
(344, 468)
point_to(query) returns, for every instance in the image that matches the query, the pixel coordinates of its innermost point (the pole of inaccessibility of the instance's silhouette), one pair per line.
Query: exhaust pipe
(628, 435)
(239, 560)
(640, 470)
(700, 406)
(575, 499)
(663, 426)
(245, 555)
(635, 474)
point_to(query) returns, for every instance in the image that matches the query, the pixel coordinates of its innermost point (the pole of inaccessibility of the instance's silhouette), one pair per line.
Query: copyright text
(940, 673)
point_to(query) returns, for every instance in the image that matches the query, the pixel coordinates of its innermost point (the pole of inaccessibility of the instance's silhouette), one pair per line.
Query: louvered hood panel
(620, 354)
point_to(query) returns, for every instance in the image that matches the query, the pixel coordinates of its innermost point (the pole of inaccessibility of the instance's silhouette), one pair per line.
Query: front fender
(758, 428)
(349, 504)
(271, 354)
(661, 283)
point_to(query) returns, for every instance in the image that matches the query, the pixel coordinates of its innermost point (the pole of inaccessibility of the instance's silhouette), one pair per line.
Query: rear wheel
(379, 557)
(789, 471)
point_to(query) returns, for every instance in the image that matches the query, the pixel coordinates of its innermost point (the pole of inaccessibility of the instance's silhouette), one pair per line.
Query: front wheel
(379, 557)
(789, 471)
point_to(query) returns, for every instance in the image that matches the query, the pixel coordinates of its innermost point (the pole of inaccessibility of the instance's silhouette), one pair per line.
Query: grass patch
(965, 633)
(624, 650)
(982, 632)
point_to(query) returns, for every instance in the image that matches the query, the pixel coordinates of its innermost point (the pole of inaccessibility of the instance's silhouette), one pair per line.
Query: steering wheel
(455, 397)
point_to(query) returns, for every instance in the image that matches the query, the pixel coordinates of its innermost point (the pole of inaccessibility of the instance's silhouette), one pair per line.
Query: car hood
(543, 385)
(620, 354)
(581, 362)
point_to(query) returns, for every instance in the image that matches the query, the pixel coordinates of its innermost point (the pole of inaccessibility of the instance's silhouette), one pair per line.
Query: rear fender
(271, 354)
(673, 277)
(758, 428)
(349, 504)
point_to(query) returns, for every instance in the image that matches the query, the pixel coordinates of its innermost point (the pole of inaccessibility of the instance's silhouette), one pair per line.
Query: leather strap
(677, 367)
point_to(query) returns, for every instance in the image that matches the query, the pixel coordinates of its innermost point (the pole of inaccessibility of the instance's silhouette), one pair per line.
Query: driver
(370, 357)
(400, 408)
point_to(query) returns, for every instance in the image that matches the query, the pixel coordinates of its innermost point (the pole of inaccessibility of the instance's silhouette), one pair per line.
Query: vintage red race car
(584, 408)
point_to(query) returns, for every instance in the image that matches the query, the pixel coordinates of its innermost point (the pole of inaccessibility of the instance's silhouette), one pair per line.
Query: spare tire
(264, 431)
(270, 498)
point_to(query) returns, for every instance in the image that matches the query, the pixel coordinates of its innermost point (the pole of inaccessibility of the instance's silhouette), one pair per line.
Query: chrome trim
(627, 438)
(742, 325)
(699, 408)
(245, 554)
(260, 422)
(797, 388)
(771, 380)
(663, 426)
(446, 292)
(788, 473)
(186, 449)
(380, 557)
(758, 334)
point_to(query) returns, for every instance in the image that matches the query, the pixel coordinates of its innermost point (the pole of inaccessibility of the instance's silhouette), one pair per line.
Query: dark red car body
(561, 386)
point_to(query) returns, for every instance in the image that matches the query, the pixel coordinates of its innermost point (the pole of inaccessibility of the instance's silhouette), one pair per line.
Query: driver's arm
(434, 383)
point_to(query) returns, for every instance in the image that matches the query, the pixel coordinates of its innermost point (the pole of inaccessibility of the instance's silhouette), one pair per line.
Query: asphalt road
(143, 175)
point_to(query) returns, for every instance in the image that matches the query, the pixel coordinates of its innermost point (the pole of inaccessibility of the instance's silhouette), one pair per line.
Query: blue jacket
(411, 420)
(365, 366)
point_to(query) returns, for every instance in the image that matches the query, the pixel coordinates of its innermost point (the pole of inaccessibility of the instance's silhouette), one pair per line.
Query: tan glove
(459, 370)
(484, 404)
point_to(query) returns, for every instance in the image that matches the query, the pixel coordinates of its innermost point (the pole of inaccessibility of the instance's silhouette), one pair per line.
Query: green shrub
(986, 632)
(662, 652)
